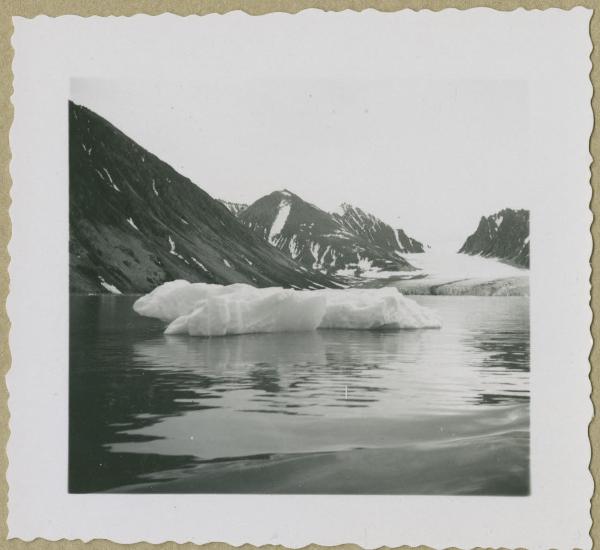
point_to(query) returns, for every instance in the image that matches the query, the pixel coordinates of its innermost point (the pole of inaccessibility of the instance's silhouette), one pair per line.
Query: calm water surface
(407, 412)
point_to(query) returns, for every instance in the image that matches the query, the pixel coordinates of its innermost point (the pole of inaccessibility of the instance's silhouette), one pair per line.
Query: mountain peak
(284, 193)
(347, 240)
(503, 235)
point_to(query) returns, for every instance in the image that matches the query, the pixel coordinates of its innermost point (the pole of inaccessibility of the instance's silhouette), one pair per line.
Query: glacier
(202, 309)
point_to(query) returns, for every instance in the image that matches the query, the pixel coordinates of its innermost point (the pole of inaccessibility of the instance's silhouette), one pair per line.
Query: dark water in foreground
(409, 412)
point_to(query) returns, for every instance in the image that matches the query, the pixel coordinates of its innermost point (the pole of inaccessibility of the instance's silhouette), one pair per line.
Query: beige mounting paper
(548, 50)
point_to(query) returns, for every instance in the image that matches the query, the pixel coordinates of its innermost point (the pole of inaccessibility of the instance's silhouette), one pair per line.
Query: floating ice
(372, 309)
(202, 309)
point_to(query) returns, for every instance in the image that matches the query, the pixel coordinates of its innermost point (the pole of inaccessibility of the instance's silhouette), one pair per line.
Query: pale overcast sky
(430, 156)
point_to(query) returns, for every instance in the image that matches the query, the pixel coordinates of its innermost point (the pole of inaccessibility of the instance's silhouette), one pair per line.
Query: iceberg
(202, 309)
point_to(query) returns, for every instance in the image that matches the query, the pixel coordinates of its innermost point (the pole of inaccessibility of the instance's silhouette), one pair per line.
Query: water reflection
(143, 403)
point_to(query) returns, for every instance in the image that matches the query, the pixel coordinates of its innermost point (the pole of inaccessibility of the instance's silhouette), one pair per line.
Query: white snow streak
(174, 252)
(132, 223)
(293, 247)
(199, 264)
(102, 178)
(314, 250)
(324, 256)
(108, 174)
(154, 187)
(279, 223)
(226, 262)
(398, 240)
(172, 243)
(109, 287)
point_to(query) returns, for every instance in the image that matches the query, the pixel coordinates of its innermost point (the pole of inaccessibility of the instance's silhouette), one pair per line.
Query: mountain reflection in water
(422, 411)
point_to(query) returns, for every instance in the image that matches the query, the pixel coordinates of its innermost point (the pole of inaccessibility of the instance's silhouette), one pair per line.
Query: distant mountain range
(136, 223)
(349, 241)
(504, 235)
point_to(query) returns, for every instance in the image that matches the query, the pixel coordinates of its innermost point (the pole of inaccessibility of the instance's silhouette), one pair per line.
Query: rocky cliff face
(504, 235)
(375, 231)
(347, 241)
(236, 208)
(136, 223)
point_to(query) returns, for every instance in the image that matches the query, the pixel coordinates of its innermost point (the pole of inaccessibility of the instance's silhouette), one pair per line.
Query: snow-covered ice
(202, 309)
(461, 266)
(450, 273)
(380, 308)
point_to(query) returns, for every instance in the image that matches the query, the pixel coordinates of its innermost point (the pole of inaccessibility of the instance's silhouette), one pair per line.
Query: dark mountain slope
(375, 231)
(136, 223)
(503, 235)
(320, 240)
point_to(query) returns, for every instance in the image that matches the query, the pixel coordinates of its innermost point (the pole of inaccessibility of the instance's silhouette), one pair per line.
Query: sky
(429, 155)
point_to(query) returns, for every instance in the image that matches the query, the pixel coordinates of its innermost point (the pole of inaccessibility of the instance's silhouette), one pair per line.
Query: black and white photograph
(272, 292)
(302, 278)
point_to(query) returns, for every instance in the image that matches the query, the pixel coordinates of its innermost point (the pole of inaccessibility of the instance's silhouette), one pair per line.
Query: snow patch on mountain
(198, 263)
(282, 215)
(235, 208)
(111, 180)
(173, 251)
(111, 288)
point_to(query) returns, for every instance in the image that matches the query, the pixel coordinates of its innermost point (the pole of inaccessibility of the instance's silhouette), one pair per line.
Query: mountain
(236, 208)
(136, 223)
(350, 240)
(408, 244)
(375, 231)
(503, 235)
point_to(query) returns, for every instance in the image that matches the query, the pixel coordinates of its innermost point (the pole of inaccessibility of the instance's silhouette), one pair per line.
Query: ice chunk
(372, 309)
(202, 309)
(259, 311)
(176, 298)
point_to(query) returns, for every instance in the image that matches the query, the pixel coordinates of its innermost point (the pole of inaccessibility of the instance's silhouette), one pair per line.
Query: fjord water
(432, 411)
